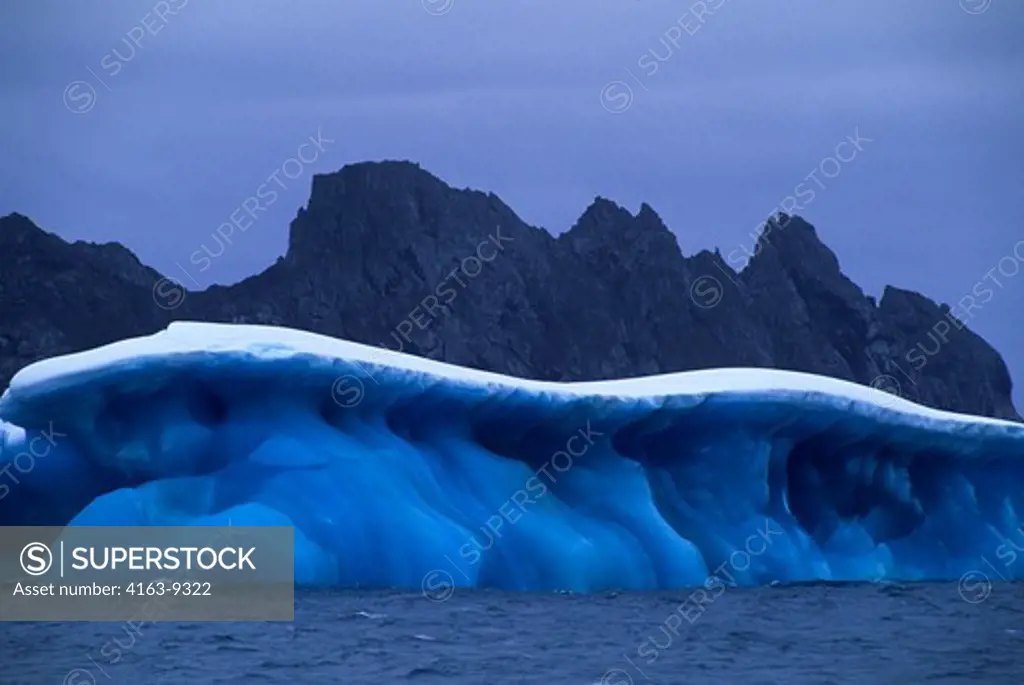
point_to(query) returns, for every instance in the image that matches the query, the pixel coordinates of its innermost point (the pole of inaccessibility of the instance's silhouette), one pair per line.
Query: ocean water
(818, 634)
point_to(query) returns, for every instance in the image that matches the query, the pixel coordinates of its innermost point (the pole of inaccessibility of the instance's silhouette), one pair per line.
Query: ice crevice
(391, 467)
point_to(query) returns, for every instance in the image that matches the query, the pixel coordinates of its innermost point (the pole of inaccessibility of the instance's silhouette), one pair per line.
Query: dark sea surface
(792, 635)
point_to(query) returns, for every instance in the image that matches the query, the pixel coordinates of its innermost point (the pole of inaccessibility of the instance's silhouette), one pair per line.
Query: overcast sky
(149, 123)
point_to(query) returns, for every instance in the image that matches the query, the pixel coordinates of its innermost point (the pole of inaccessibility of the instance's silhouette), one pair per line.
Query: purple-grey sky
(150, 123)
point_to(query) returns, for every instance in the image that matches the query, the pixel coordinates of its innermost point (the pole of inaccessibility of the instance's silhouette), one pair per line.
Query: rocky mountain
(387, 254)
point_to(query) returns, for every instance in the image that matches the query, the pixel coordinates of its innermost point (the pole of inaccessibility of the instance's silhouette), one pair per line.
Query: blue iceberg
(398, 471)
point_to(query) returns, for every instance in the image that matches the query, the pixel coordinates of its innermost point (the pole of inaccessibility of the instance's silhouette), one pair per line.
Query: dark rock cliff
(387, 254)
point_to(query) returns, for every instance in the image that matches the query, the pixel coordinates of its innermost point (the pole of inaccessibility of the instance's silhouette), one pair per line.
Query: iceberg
(396, 470)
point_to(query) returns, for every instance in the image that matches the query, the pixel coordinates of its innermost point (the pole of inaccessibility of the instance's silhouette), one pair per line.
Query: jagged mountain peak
(790, 237)
(603, 213)
(389, 203)
(600, 213)
(607, 226)
(648, 219)
(14, 221)
(390, 183)
(791, 245)
(367, 179)
(22, 238)
(18, 228)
